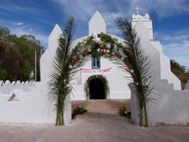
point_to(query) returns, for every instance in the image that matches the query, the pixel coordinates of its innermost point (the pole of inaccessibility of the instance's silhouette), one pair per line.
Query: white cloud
(18, 23)
(176, 46)
(26, 7)
(82, 9)
(165, 8)
(110, 22)
(42, 38)
(20, 29)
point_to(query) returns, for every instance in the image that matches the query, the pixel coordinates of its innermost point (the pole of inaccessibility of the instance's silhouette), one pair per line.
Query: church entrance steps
(102, 106)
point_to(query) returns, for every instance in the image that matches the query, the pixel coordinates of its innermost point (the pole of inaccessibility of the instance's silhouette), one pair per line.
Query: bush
(123, 111)
(78, 110)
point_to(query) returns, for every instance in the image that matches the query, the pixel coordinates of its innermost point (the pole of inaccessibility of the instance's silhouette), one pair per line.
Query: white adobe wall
(166, 68)
(145, 30)
(116, 77)
(171, 103)
(97, 24)
(46, 67)
(46, 61)
(30, 106)
(146, 22)
(171, 107)
(35, 103)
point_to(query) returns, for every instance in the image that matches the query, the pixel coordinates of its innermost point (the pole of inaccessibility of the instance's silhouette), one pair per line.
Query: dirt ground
(94, 127)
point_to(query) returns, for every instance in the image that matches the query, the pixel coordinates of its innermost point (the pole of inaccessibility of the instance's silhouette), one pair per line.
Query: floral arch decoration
(128, 55)
(101, 45)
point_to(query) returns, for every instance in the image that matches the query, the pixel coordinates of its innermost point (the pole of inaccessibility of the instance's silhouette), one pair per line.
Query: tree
(177, 68)
(180, 71)
(4, 32)
(17, 55)
(3, 74)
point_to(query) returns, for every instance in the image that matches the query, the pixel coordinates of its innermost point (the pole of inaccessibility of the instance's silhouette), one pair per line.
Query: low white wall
(7, 86)
(154, 49)
(31, 106)
(170, 106)
(167, 107)
(165, 68)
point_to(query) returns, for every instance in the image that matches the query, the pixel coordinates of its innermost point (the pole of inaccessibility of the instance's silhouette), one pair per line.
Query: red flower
(134, 77)
(128, 64)
(74, 61)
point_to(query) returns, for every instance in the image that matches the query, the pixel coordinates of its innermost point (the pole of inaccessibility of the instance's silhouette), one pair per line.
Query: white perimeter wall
(170, 105)
(30, 106)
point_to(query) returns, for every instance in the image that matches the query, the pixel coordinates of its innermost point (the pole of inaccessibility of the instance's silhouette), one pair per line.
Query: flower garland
(101, 45)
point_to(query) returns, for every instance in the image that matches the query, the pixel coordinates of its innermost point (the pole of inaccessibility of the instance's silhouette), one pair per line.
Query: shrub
(78, 110)
(123, 111)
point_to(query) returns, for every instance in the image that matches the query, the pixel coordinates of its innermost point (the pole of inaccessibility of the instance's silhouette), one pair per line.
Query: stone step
(102, 106)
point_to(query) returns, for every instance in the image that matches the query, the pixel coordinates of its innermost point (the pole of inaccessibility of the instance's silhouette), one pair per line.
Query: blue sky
(170, 19)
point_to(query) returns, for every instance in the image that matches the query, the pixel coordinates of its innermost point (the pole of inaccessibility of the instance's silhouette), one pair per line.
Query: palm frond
(140, 65)
(60, 76)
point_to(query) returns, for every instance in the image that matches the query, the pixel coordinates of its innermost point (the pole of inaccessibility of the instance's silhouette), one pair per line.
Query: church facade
(100, 67)
(31, 102)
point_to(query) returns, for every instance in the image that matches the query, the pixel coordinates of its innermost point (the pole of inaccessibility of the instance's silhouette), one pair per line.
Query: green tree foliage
(3, 74)
(17, 55)
(180, 71)
(4, 32)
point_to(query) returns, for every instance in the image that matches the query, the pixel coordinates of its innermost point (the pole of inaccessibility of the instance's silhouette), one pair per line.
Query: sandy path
(92, 127)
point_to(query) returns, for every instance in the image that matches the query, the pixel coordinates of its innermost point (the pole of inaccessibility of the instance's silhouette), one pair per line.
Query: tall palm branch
(60, 77)
(140, 67)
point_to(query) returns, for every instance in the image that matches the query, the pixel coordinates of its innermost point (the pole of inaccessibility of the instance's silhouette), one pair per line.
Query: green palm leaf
(60, 77)
(140, 67)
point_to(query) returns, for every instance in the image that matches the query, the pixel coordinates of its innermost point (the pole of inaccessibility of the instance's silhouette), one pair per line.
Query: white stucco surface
(97, 24)
(118, 81)
(31, 106)
(171, 103)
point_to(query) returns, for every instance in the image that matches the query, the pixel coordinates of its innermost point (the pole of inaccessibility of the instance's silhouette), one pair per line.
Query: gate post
(67, 110)
(134, 105)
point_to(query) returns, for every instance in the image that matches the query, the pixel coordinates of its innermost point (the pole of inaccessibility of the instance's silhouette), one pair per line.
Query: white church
(30, 102)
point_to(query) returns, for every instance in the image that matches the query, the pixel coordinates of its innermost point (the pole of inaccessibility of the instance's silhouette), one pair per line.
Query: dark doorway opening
(97, 88)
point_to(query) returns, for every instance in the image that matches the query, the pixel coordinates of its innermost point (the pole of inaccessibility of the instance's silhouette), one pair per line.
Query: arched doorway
(97, 87)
